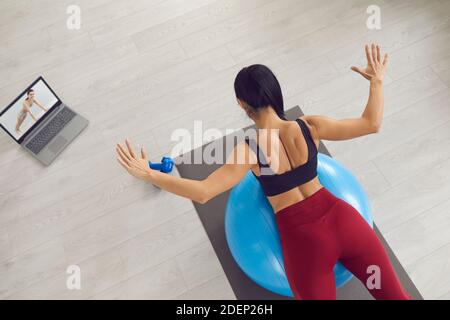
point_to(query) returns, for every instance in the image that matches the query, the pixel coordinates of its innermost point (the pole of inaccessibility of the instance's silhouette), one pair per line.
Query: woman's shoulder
(312, 129)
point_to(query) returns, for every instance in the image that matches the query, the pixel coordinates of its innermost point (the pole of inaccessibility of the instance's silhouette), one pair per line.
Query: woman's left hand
(137, 167)
(375, 68)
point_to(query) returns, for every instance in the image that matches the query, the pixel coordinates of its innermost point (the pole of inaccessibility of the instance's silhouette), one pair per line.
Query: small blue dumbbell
(166, 165)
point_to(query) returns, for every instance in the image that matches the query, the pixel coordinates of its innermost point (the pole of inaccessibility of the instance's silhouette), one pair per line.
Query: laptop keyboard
(52, 128)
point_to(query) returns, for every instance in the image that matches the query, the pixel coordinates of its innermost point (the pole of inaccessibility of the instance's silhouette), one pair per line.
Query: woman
(316, 228)
(26, 108)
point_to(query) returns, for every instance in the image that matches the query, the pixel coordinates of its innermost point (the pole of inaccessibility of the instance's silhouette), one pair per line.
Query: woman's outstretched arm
(200, 191)
(40, 105)
(369, 122)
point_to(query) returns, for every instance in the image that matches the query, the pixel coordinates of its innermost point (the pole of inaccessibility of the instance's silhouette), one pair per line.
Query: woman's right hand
(375, 69)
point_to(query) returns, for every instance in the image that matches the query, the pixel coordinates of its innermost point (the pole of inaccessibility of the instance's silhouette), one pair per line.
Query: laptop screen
(28, 109)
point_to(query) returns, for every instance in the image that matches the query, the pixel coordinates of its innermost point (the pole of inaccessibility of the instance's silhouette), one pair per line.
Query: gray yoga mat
(212, 216)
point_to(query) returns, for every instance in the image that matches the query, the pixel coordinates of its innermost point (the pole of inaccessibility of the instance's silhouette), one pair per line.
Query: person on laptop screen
(40, 122)
(26, 108)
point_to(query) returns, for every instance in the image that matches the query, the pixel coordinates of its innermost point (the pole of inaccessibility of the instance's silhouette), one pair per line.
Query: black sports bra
(273, 183)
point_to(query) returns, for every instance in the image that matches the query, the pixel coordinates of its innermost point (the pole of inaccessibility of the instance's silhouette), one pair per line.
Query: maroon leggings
(321, 229)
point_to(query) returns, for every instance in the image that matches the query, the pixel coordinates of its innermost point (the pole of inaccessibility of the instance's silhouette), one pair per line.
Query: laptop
(40, 122)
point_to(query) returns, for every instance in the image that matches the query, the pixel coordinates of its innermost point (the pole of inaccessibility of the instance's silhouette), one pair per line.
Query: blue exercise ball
(252, 234)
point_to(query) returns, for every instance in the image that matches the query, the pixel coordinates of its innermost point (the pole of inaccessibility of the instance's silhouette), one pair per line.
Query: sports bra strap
(312, 148)
(259, 154)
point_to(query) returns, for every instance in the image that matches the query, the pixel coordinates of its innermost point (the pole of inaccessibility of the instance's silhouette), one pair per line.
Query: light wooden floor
(143, 68)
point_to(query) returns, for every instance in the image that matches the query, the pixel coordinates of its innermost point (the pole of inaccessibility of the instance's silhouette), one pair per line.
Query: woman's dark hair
(29, 91)
(257, 86)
